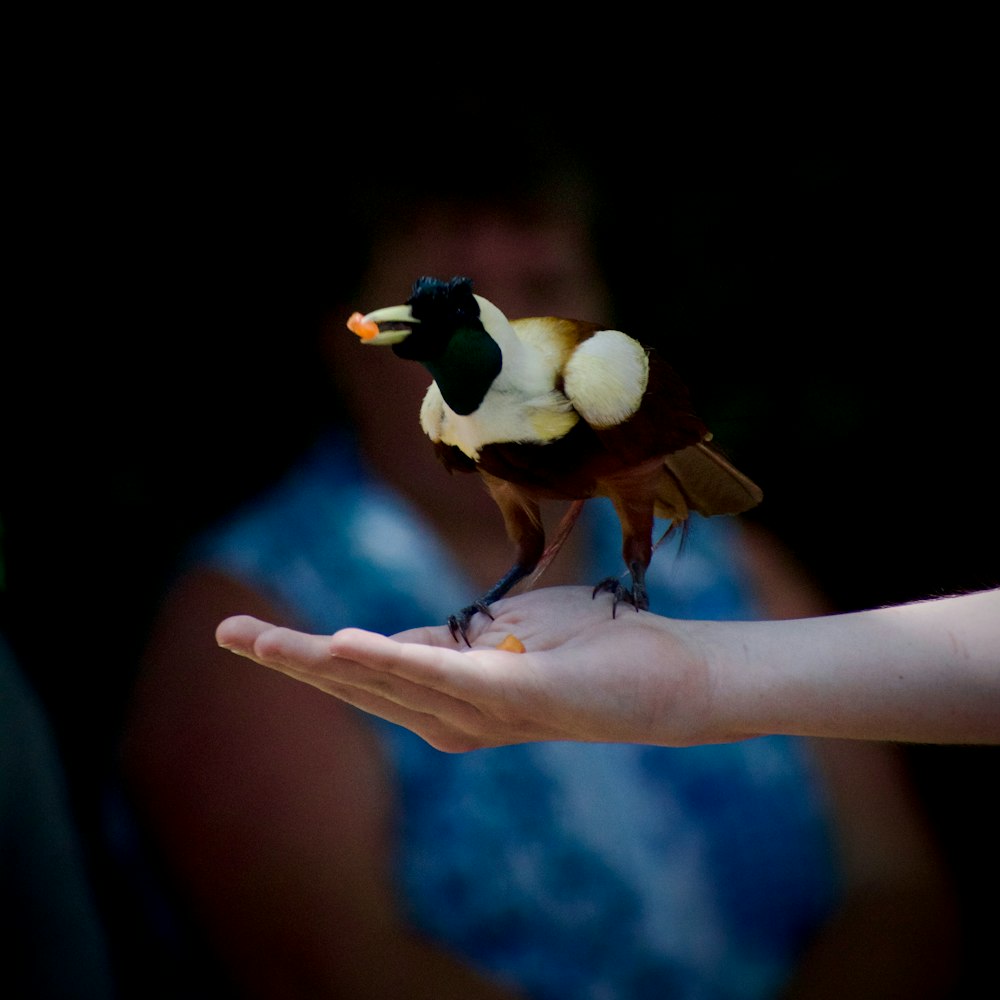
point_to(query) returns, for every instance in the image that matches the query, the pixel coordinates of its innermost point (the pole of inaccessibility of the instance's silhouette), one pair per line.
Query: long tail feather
(673, 528)
(565, 526)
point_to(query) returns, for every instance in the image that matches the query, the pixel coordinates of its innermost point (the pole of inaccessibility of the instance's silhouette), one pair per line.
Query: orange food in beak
(365, 329)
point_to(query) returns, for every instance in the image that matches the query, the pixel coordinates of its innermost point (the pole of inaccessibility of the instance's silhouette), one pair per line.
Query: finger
(271, 645)
(239, 633)
(446, 724)
(484, 632)
(451, 671)
(446, 721)
(291, 651)
(438, 636)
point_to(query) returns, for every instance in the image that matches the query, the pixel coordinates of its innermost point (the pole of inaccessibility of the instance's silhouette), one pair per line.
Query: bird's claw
(636, 596)
(458, 624)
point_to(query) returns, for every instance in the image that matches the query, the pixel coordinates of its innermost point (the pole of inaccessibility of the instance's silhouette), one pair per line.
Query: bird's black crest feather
(453, 300)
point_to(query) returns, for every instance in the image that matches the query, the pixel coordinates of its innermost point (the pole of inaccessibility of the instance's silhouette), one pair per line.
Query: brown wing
(664, 423)
(693, 476)
(706, 482)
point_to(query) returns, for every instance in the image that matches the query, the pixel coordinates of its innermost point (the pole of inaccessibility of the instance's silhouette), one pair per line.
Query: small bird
(550, 408)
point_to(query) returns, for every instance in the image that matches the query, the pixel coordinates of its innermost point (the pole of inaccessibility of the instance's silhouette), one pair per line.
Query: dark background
(819, 266)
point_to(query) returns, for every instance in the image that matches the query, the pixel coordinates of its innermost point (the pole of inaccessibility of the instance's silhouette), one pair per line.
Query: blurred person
(55, 942)
(324, 853)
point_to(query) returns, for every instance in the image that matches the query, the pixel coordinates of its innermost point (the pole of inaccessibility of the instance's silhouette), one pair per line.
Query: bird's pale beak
(383, 326)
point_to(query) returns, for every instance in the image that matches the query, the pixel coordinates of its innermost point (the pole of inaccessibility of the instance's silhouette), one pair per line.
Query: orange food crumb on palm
(512, 644)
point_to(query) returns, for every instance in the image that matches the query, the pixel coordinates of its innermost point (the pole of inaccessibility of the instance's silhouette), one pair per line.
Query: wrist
(925, 672)
(770, 677)
(745, 680)
(702, 702)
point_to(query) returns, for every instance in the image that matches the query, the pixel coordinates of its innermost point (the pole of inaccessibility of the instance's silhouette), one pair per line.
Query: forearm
(926, 672)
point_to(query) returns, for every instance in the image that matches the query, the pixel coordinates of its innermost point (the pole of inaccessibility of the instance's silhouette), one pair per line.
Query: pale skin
(925, 672)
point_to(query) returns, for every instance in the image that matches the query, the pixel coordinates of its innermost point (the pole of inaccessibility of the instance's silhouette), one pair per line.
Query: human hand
(583, 676)
(922, 672)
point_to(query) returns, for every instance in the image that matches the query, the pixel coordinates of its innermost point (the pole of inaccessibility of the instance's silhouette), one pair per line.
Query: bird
(551, 408)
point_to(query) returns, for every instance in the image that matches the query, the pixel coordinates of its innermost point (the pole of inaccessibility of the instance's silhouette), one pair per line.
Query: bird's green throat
(466, 368)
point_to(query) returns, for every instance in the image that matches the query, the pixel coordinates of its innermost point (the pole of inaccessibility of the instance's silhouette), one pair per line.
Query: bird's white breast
(522, 405)
(502, 417)
(602, 380)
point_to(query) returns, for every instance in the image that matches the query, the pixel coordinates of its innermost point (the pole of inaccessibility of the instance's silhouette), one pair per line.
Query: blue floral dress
(571, 871)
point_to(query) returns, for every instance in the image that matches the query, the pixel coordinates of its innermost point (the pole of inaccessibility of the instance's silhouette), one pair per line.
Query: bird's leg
(637, 596)
(640, 596)
(635, 511)
(523, 521)
(459, 623)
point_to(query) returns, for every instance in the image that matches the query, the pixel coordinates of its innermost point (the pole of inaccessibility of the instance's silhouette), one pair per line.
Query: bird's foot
(635, 595)
(458, 624)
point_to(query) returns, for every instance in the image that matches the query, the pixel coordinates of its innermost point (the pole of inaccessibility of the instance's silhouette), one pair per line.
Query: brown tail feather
(708, 482)
(565, 526)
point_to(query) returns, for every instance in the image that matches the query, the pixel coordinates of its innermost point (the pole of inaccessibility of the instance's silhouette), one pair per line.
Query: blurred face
(543, 265)
(526, 266)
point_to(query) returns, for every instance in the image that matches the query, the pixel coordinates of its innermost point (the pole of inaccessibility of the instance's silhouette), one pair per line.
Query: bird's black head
(442, 309)
(441, 327)
(451, 341)
(446, 302)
